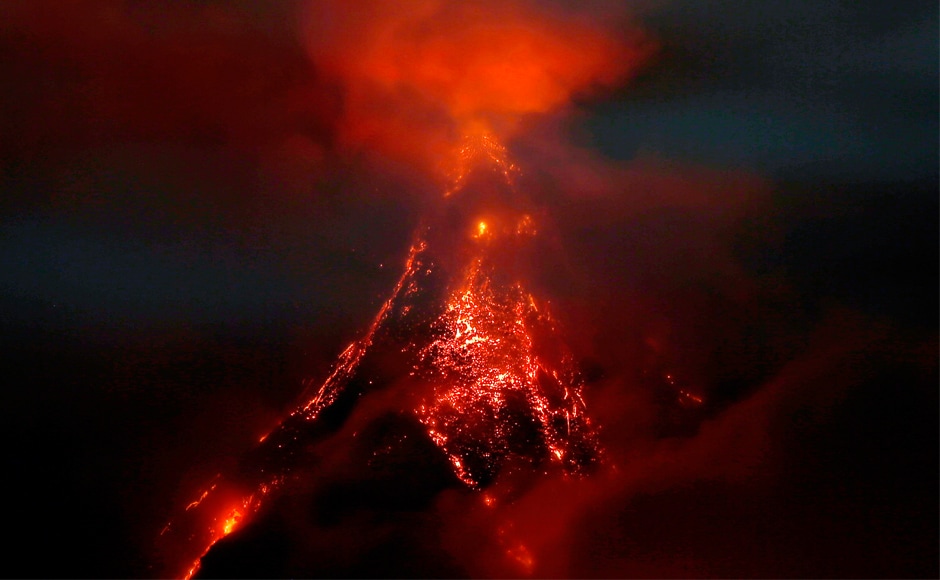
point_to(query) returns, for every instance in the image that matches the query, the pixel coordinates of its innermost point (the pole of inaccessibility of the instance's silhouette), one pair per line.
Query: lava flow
(492, 385)
(494, 395)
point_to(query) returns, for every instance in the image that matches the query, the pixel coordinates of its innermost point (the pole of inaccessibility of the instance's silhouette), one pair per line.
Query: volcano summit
(462, 380)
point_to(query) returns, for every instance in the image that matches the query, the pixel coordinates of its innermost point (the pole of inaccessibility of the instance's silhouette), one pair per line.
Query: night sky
(202, 203)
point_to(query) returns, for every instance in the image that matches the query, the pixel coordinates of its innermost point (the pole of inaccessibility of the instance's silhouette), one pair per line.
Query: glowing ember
(496, 388)
(475, 149)
(226, 520)
(522, 556)
(494, 396)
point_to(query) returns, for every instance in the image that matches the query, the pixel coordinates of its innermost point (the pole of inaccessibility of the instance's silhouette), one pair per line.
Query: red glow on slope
(477, 147)
(223, 519)
(485, 368)
(500, 392)
(349, 359)
(228, 518)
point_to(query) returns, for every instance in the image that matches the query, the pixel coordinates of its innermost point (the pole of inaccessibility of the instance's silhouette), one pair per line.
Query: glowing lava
(494, 396)
(496, 389)
(228, 517)
(479, 147)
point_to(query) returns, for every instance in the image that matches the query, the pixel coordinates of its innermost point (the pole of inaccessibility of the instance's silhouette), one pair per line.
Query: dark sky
(798, 90)
(187, 232)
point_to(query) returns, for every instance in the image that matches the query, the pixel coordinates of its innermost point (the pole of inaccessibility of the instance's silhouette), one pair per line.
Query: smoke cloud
(417, 78)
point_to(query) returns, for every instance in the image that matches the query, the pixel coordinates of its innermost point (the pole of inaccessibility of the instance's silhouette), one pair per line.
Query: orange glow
(526, 226)
(484, 364)
(198, 501)
(192, 571)
(497, 383)
(220, 517)
(479, 148)
(231, 521)
(219, 523)
(321, 397)
(521, 555)
(477, 57)
(688, 398)
(419, 73)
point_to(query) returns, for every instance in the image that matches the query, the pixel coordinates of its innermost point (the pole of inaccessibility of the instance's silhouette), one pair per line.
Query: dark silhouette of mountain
(462, 379)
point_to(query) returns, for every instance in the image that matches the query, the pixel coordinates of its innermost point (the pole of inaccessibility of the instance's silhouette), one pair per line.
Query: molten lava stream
(501, 389)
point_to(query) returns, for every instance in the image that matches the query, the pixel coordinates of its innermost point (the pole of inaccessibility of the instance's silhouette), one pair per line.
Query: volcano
(463, 379)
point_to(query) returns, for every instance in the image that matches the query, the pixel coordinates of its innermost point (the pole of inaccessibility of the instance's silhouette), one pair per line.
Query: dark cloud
(800, 90)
